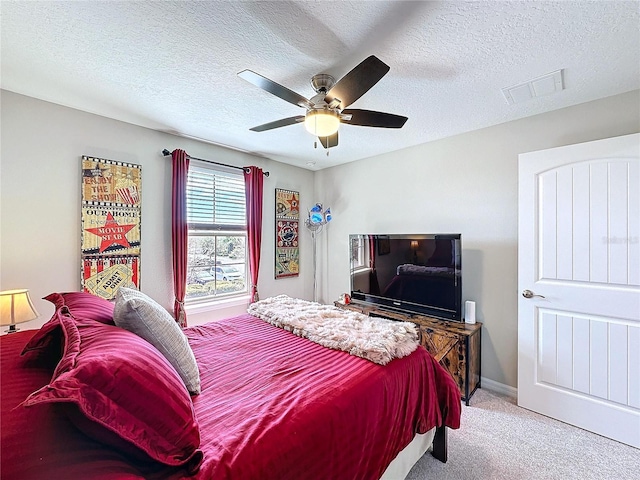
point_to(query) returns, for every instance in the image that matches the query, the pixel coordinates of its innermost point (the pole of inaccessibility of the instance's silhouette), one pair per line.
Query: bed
(271, 405)
(423, 285)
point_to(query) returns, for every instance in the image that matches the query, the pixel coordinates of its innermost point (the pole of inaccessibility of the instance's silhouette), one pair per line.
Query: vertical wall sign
(287, 219)
(110, 238)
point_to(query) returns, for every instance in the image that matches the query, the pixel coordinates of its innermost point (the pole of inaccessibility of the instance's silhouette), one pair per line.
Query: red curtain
(179, 232)
(253, 183)
(372, 252)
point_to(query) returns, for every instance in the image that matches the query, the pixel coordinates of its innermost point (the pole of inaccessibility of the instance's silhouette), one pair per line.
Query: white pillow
(138, 313)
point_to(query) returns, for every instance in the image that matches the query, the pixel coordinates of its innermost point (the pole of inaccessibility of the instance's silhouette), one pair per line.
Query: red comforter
(273, 406)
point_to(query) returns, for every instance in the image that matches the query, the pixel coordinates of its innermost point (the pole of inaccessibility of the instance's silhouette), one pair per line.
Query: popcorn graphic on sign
(127, 190)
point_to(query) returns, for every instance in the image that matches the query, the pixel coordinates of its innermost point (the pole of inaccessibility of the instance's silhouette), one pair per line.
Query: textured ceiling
(172, 66)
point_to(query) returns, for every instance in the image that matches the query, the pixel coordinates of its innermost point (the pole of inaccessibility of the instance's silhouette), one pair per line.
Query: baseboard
(499, 387)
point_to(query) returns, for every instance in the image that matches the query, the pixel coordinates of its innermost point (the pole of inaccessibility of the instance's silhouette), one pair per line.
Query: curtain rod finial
(166, 152)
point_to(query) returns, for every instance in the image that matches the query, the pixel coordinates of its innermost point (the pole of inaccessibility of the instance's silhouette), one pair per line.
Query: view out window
(217, 247)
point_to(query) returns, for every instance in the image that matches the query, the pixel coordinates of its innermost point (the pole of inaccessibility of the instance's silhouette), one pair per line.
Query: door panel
(579, 251)
(591, 356)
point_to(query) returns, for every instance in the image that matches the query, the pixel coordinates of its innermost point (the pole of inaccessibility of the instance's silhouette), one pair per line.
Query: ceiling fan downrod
(322, 82)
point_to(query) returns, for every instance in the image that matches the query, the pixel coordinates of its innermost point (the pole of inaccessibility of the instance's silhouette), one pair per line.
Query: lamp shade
(16, 307)
(322, 123)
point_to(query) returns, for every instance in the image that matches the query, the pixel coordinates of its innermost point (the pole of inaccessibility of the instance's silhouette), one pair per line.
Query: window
(359, 252)
(217, 245)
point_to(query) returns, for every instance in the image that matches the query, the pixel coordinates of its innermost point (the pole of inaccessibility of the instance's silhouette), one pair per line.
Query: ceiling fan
(327, 109)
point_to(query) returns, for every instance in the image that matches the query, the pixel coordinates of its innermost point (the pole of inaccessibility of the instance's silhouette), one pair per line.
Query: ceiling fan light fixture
(322, 123)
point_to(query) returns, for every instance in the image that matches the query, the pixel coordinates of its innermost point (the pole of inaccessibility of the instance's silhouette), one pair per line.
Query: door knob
(530, 294)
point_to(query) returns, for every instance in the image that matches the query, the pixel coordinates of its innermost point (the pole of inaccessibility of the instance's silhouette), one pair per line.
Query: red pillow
(81, 305)
(124, 393)
(84, 306)
(48, 334)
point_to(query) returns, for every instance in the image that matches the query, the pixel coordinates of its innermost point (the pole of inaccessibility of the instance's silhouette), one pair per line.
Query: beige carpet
(499, 440)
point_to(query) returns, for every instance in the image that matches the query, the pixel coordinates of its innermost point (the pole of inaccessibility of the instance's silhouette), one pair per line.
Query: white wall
(465, 184)
(40, 201)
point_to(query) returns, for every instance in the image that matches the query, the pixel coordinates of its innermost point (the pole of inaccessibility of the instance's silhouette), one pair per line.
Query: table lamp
(16, 307)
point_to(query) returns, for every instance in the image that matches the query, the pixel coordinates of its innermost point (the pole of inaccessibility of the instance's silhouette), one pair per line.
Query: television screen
(419, 273)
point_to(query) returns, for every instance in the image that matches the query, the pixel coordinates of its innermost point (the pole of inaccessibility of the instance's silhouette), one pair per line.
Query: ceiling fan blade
(369, 118)
(330, 141)
(357, 82)
(275, 88)
(278, 123)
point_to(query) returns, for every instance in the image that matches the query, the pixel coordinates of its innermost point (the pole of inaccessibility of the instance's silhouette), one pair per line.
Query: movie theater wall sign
(110, 243)
(287, 219)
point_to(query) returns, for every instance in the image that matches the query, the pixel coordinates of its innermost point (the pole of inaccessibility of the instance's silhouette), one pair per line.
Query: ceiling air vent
(544, 85)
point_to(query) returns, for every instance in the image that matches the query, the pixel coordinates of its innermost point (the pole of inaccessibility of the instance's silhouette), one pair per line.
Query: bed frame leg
(440, 441)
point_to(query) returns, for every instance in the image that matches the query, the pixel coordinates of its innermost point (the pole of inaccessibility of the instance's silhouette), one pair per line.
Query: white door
(579, 254)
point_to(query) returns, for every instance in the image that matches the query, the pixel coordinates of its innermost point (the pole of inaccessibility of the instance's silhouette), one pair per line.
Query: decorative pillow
(47, 342)
(81, 306)
(141, 315)
(84, 306)
(48, 335)
(120, 390)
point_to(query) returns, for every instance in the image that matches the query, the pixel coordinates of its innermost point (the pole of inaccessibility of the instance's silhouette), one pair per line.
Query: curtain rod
(166, 153)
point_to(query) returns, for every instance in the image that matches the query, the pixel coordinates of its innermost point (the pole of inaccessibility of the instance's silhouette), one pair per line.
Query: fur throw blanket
(376, 339)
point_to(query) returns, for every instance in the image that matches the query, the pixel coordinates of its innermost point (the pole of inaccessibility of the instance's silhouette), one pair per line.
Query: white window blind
(215, 200)
(216, 250)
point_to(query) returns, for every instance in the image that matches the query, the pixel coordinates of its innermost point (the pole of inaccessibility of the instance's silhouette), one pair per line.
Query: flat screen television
(415, 273)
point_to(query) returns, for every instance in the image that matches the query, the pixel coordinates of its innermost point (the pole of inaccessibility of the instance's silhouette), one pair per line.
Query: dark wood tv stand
(456, 345)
